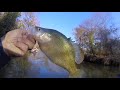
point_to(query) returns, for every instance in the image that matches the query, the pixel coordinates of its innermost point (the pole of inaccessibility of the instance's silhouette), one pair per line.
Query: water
(40, 66)
(90, 70)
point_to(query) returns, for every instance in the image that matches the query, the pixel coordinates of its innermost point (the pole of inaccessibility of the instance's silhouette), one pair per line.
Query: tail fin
(79, 54)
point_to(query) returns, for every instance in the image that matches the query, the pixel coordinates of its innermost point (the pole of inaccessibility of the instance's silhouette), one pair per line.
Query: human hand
(17, 42)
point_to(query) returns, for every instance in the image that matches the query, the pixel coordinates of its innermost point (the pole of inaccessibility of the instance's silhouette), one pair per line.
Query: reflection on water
(40, 66)
(98, 71)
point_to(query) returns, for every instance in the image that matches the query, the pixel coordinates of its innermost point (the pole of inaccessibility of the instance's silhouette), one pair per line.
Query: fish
(57, 48)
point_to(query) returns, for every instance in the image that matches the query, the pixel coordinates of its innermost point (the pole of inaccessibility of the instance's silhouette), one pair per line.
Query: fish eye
(39, 29)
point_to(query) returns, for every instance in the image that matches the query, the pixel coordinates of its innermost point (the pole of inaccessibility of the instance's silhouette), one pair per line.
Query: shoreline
(106, 61)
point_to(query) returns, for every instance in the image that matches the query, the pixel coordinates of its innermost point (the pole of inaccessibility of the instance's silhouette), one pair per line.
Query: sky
(65, 22)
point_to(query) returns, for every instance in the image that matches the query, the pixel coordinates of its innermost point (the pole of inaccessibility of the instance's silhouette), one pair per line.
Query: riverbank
(107, 61)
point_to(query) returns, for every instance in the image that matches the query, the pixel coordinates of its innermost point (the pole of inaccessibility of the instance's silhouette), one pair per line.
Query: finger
(25, 41)
(28, 43)
(28, 39)
(12, 50)
(31, 38)
(24, 34)
(16, 52)
(23, 47)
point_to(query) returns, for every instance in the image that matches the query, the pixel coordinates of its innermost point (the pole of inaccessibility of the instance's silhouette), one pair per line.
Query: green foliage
(91, 41)
(98, 37)
(8, 22)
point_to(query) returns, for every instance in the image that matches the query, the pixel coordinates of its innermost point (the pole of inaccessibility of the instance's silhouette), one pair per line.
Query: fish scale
(57, 48)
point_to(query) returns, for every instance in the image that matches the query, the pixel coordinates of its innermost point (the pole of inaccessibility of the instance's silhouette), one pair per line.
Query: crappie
(57, 48)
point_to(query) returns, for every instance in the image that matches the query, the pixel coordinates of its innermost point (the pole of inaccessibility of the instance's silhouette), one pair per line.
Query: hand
(17, 42)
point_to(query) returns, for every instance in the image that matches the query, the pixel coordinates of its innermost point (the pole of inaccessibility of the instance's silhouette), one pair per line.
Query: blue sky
(65, 22)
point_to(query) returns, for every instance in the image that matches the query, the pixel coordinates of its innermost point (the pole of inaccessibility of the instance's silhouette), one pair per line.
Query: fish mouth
(42, 35)
(45, 37)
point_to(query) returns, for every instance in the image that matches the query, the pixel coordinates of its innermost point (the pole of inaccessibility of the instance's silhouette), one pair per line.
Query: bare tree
(28, 19)
(95, 33)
